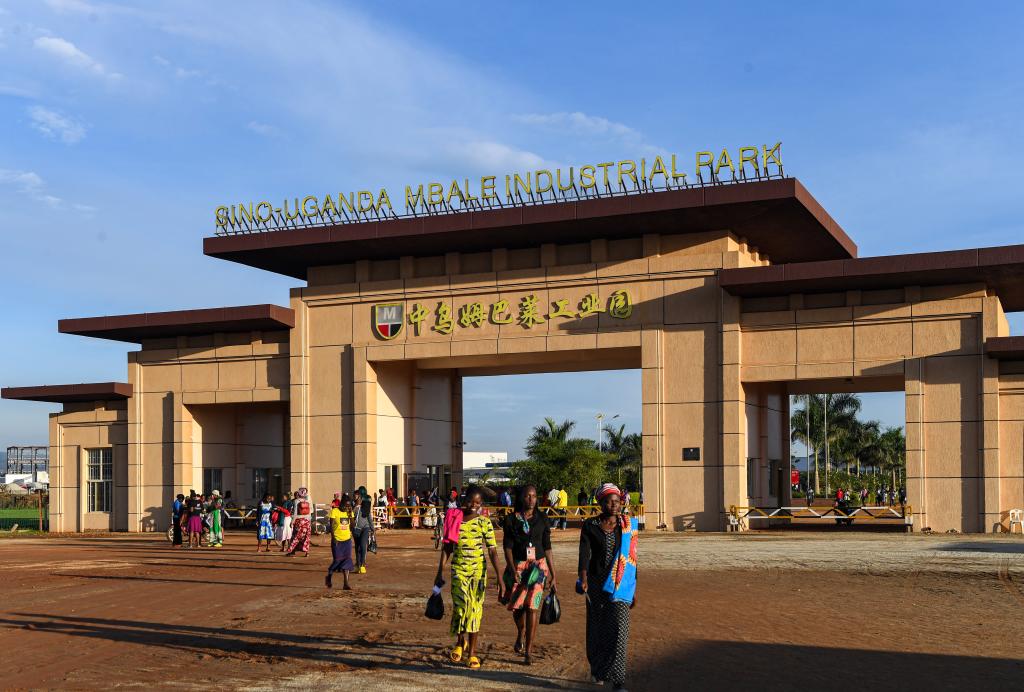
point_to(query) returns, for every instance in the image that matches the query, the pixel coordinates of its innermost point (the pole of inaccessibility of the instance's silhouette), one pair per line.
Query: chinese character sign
(528, 312)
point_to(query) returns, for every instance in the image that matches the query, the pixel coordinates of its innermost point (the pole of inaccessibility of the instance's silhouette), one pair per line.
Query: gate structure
(728, 297)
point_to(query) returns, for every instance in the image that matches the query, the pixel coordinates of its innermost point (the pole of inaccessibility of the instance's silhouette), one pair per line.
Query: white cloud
(70, 54)
(493, 156)
(263, 129)
(29, 184)
(9, 90)
(56, 126)
(578, 123)
(72, 6)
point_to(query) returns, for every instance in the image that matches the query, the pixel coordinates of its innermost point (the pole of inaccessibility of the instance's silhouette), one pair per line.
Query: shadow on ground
(728, 665)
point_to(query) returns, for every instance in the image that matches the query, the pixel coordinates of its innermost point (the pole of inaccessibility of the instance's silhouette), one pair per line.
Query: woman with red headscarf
(608, 579)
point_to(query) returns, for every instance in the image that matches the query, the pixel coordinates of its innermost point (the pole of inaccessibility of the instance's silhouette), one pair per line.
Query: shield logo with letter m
(388, 320)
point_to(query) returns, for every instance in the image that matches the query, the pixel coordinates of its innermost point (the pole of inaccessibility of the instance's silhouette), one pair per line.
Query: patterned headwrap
(607, 489)
(303, 493)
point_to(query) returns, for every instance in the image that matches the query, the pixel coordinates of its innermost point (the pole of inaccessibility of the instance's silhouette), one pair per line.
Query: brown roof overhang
(64, 393)
(155, 325)
(1001, 269)
(1005, 347)
(779, 217)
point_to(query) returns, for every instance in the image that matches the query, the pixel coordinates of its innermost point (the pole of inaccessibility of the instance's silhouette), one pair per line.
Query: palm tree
(831, 418)
(801, 431)
(626, 452)
(859, 444)
(547, 433)
(893, 455)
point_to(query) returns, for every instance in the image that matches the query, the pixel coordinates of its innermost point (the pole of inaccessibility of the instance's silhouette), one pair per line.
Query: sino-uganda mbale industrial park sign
(609, 178)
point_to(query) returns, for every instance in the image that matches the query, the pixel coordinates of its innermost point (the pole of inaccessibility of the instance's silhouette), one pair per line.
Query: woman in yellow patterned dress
(469, 574)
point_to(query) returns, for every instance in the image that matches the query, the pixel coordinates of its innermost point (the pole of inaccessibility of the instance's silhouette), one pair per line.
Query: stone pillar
(734, 413)
(364, 412)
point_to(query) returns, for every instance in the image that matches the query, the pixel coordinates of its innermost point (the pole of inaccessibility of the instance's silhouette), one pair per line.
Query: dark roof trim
(155, 325)
(1001, 269)
(64, 393)
(779, 217)
(1005, 347)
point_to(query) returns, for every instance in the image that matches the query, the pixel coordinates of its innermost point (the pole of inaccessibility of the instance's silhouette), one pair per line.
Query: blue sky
(122, 127)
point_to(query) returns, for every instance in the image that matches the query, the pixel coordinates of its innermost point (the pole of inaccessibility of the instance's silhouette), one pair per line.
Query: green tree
(893, 456)
(626, 450)
(836, 413)
(556, 460)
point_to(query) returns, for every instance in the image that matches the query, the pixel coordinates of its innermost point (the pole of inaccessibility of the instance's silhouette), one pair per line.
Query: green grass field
(30, 513)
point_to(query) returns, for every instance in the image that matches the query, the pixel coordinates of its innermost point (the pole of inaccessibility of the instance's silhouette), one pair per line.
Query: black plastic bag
(551, 611)
(372, 547)
(435, 607)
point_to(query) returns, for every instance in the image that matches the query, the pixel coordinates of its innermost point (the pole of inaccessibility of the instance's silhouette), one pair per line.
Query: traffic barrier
(739, 516)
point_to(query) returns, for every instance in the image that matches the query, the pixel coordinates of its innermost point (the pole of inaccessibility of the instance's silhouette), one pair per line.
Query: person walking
(607, 577)
(176, 509)
(302, 524)
(563, 509)
(390, 503)
(361, 527)
(195, 520)
(465, 544)
(283, 525)
(526, 542)
(414, 511)
(266, 528)
(340, 520)
(216, 520)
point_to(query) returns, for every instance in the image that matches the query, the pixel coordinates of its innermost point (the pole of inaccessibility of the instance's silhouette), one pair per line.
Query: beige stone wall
(925, 340)
(330, 404)
(78, 428)
(170, 378)
(673, 334)
(1008, 482)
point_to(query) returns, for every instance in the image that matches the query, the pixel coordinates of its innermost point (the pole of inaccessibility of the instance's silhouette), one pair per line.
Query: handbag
(372, 547)
(435, 607)
(551, 611)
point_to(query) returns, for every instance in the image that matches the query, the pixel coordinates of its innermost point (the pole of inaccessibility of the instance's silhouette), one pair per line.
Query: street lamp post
(600, 432)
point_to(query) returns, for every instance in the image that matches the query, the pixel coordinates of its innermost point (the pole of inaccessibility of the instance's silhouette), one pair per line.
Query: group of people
(883, 496)
(195, 515)
(289, 525)
(607, 563)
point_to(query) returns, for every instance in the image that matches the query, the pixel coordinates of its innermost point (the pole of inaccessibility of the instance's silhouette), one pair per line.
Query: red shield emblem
(388, 320)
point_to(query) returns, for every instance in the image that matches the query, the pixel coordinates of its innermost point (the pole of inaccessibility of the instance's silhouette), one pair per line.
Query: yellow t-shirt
(563, 499)
(341, 524)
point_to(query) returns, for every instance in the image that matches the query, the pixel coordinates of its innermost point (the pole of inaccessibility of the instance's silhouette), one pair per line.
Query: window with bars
(100, 479)
(753, 468)
(260, 482)
(213, 479)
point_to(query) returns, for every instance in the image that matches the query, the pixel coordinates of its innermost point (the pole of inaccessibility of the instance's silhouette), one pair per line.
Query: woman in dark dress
(526, 541)
(608, 578)
(362, 527)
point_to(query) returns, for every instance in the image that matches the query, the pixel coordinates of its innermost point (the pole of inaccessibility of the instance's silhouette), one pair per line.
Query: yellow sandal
(455, 654)
(474, 662)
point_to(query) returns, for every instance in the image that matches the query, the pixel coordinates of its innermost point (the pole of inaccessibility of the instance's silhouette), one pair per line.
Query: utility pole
(828, 465)
(600, 432)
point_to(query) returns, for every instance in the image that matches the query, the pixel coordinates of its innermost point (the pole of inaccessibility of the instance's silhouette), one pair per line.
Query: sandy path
(771, 610)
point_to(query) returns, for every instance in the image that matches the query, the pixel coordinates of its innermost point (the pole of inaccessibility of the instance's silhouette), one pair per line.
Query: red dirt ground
(94, 611)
